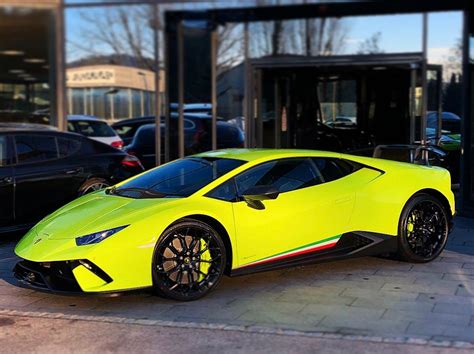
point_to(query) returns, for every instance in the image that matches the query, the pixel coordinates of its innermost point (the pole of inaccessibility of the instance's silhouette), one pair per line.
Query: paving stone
(421, 288)
(409, 276)
(344, 311)
(370, 294)
(318, 298)
(441, 330)
(391, 303)
(451, 299)
(461, 309)
(443, 318)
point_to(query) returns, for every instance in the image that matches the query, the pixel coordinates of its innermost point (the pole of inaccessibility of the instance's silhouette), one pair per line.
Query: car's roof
(84, 118)
(259, 154)
(25, 127)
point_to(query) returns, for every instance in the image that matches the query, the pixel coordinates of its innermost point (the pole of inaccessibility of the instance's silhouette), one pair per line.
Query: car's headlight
(97, 237)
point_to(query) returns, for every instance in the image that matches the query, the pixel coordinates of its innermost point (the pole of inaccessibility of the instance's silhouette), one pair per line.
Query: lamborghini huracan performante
(180, 227)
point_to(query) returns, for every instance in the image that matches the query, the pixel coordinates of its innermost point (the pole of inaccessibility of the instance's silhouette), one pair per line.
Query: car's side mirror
(255, 195)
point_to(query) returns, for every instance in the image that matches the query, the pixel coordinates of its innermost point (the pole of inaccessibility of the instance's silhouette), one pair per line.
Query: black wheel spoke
(185, 278)
(427, 228)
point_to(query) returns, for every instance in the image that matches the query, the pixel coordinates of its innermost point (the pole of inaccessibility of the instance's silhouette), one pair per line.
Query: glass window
(94, 128)
(332, 169)
(27, 64)
(226, 191)
(35, 148)
(3, 151)
(285, 175)
(181, 177)
(68, 147)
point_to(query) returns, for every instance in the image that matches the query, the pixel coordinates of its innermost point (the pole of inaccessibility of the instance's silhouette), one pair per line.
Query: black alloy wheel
(189, 261)
(423, 230)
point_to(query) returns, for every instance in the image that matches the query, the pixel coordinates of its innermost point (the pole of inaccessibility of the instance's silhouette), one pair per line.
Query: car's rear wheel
(189, 261)
(423, 229)
(92, 185)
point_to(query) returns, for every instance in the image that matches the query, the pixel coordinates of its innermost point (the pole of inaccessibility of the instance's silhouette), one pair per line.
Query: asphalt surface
(39, 335)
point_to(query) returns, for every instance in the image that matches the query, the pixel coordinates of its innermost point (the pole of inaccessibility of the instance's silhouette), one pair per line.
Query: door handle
(73, 171)
(6, 180)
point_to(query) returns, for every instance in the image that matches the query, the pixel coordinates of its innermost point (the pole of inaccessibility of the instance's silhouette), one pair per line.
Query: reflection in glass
(27, 65)
(111, 62)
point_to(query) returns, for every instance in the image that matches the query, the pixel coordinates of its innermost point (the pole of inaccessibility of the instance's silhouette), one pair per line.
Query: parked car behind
(94, 128)
(126, 128)
(43, 169)
(197, 138)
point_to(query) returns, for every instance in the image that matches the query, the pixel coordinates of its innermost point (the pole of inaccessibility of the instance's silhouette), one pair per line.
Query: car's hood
(97, 212)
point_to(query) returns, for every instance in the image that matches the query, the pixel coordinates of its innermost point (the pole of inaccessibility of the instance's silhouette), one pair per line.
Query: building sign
(90, 77)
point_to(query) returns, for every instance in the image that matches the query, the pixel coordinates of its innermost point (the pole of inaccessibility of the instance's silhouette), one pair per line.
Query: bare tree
(121, 31)
(371, 45)
(321, 36)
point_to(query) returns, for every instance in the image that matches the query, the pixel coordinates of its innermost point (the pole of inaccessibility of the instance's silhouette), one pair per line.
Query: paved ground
(372, 299)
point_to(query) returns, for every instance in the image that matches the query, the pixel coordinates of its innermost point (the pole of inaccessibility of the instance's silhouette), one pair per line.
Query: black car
(43, 169)
(126, 128)
(197, 138)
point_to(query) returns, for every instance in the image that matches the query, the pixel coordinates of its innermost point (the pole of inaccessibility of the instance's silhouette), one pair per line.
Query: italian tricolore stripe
(312, 247)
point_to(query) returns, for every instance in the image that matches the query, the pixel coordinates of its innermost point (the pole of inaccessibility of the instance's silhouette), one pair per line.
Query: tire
(188, 261)
(92, 185)
(423, 229)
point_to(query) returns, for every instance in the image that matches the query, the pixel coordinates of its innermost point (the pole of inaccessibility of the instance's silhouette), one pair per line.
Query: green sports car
(180, 227)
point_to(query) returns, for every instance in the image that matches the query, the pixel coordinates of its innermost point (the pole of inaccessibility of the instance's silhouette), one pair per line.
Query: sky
(399, 33)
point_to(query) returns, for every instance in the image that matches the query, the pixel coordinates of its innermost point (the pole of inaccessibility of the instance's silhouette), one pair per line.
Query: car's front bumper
(59, 277)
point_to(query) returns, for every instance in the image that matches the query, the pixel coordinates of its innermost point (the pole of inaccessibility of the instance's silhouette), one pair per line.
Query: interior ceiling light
(29, 79)
(16, 71)
(34, 60)
(11, 52)
(45, 66)
(24, 75)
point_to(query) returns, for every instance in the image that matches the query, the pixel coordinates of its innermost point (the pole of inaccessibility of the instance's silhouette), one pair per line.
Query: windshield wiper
(141, 191)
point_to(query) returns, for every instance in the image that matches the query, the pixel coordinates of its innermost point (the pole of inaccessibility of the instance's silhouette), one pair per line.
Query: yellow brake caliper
(205, 256)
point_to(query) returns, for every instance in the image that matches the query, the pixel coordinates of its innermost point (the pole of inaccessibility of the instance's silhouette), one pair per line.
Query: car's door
(42, 180)
(311, 212)
(6, 183)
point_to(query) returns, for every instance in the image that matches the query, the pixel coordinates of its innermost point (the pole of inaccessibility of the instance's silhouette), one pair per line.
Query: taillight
(132, 161)
(117, 144)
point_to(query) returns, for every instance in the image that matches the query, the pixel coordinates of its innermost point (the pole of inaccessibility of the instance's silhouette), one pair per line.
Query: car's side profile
(43, 169)
(181, 226)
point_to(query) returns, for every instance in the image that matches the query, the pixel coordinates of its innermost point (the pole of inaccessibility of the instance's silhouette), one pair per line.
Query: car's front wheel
(188, 261)
(423, 229)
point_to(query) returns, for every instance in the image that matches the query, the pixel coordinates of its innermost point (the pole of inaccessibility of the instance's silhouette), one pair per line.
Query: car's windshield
(180, 178)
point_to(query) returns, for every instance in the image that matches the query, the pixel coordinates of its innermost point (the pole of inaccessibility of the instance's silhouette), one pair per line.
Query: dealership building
(288, 72)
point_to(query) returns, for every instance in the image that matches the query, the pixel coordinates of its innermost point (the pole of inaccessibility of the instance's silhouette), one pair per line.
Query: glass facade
(26, 68)
(279, 77)
(111, 67)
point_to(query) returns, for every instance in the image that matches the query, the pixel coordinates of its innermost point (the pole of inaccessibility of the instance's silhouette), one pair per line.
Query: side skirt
(350, 245)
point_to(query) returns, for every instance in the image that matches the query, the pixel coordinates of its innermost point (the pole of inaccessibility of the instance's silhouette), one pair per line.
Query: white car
(94, 128)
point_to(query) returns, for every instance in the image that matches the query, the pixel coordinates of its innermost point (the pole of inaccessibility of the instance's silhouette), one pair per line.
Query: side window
(4, 158)
(285, 175)
(71, 127)
(35, 148)
(226, 191)
(126, 131)
(68, 147)
(332, 169)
